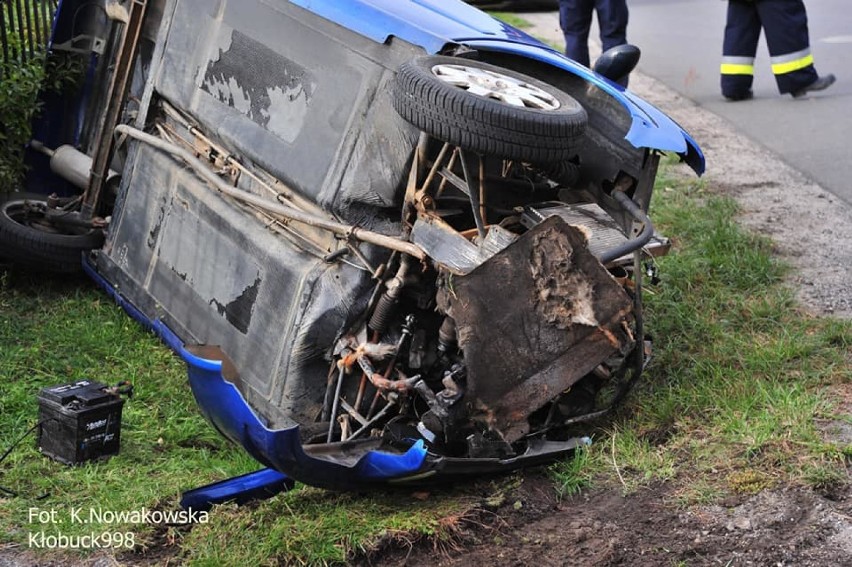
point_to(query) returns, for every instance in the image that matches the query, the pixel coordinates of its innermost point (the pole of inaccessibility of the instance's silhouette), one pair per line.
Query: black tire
(28, 240)
(488, 125)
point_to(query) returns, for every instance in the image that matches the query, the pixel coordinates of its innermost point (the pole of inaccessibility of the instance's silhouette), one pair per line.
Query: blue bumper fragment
(226, 408)
(257, 485)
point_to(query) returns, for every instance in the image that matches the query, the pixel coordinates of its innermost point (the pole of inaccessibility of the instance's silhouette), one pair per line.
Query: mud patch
(779, 527)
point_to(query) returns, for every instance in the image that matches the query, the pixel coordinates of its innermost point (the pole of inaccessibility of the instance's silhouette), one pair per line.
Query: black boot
(820, 84)
(748, 95)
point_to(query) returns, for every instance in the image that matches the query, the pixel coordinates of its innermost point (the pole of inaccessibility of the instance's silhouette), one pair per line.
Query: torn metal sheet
(452, 250)
(561, 314)
(604, 232)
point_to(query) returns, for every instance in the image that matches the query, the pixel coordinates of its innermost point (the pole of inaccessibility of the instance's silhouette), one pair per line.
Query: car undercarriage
(382, 262)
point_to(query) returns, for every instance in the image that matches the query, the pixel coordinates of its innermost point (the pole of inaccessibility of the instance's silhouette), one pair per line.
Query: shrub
(18, 106)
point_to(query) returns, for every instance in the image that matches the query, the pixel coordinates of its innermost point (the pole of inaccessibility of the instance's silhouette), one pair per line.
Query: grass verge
(740, 376)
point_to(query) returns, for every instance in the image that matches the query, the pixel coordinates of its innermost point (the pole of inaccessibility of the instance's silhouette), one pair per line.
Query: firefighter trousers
(575, 19)
(785, 23)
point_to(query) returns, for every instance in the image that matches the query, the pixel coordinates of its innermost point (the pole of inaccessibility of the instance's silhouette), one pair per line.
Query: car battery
(79, 422)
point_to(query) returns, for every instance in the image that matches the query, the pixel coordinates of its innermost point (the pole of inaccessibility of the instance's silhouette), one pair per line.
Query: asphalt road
(681, 42)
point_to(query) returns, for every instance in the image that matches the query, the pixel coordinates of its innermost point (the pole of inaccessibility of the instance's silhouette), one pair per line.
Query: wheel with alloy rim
(27, 238)
(488, 109)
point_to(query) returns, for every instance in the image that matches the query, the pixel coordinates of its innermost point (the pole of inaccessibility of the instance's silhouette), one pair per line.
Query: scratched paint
(219, 273)
(260, 84)
(239, 311)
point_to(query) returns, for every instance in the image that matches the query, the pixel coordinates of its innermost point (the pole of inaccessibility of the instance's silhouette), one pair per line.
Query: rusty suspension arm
(290, 213)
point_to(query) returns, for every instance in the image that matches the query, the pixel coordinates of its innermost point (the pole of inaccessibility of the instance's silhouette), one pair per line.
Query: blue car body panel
(433, 24)
(427, 23)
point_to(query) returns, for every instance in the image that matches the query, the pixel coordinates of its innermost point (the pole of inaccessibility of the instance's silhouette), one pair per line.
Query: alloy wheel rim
(496, 86)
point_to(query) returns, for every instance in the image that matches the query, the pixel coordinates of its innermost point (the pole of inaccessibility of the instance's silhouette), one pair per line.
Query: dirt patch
(778, 527)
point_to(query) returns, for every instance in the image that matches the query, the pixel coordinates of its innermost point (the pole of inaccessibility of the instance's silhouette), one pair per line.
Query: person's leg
(612, 19)
(786, 26)
(575, 18)
(742, 33)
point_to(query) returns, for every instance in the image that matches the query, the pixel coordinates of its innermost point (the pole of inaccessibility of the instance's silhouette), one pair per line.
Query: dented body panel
(561, 315)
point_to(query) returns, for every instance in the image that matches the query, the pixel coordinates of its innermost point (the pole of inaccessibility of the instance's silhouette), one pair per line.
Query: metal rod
(3, 38)
(362, 386)
(38, 24)
(474, 195)
(422, 150)
(334, 407)
(389, 369)
(450, 165)
(276, 208)
(227, 157)
(438, 160)
(115, 97)
(329, 388)
(374, 404)
(29, 31)
(48, 14)
(482, 212)
(373, 421)
(360, 255)
(23, 52)
(352, 412)
(636, 243)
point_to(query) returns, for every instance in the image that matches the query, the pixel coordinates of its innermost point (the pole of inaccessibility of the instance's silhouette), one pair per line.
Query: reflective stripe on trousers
(785, 24)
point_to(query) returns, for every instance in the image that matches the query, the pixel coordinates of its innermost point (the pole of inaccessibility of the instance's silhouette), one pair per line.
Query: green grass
(739, 372)
(54, 332)
(311, 526)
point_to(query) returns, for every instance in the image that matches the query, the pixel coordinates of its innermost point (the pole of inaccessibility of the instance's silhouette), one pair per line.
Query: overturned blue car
(394, 240)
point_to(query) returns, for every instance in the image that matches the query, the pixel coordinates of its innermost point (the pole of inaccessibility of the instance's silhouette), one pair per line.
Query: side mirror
(617, 62)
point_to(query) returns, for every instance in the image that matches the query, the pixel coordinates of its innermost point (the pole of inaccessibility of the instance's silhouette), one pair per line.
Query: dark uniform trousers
(785, 23)
(575, 18)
